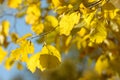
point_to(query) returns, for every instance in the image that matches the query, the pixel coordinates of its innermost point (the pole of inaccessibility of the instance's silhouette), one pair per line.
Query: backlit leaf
(33, 62)
(102, 64)
(9, 63)
(2, 54)
(49, 58)
(99, 34)
(67, 22)
(6, 26)
(14, 3)
(38, 28)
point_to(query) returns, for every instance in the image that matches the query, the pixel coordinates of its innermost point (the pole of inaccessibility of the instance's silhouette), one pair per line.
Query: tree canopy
(91, 27)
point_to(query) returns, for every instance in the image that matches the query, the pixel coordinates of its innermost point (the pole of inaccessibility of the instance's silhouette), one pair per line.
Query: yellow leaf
(14, 3)
(61, 9)
(109, 11)
(19, 66)
(16, 54)
(6, 26)
(84, 9)
(88, 18)
(21, 53)
(2, 54)
(82, 32)
(56, 3)
(68, 40)
(33, 14)
(9, 63)
(101, 64)
(2, 39)
(33, 62)
(67, 23)
(38, 28)
(50, 22)
(26, 47)
(14, 37)
(24, 37)
(50, 38)
(99, 34)
(49, 57)
(33, 9)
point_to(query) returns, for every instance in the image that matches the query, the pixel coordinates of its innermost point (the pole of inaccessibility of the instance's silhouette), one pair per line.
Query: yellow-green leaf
(6, 26)
(67, 23)
(49, 58)
(2, 54)
(38, 28)
(9, 63)
(33, 14)
(101, 64)
(33, 62)
(56, 3)
(14, 3)
(99, 34)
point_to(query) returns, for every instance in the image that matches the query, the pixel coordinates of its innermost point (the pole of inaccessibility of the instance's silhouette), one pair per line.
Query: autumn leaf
(3, 53)
(56, 3)
(51, 21)
(67, 23)
(99, 34)
(49, 58)
(5, 26)
(19, 66)
(14, 37)
(37, 28)
(9, 62)
(33, 14)
(33, 62)
(14, 3)
(102, 64)
(109, 11)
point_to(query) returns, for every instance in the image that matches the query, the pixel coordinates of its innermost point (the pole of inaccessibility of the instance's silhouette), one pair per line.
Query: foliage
(91, 26)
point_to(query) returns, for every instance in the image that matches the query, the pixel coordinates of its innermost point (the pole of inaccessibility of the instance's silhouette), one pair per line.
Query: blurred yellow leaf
(38, 28)
(109, 10)
(14, 37)
(67, 22)
(102, 64)
(19, 66)
(68, 40)
(49, 57)
(21, 53)
(82, 32)
(88, 18)
(24, 37)
(27, 47)
(9, 63)
(6, 26)
(14, 3)
(2, 54)
(51, 21)
(84, 9)
(33, 62)
(99, 34)
(33, 14)
(2, 39)
(56, 3)
(16, 54)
